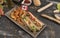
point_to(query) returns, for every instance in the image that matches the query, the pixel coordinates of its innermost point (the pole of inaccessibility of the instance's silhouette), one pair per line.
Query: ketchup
(26, 1)
(1, 12)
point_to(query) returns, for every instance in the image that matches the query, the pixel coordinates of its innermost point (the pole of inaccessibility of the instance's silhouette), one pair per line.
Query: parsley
(33, 28)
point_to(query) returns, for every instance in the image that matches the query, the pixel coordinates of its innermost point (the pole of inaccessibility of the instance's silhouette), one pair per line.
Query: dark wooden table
(8, 29)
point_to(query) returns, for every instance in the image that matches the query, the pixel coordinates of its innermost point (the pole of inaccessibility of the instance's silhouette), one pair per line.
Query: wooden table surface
(9, 29)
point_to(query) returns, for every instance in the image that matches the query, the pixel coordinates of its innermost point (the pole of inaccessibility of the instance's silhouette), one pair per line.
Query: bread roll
(37, 2)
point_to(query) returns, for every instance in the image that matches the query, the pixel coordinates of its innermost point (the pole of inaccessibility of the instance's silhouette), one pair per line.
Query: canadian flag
(24, 7)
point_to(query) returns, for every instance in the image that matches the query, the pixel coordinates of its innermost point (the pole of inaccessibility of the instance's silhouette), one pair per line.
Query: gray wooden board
(24, 28)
